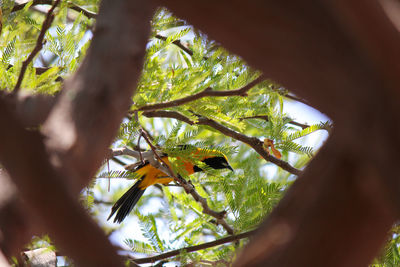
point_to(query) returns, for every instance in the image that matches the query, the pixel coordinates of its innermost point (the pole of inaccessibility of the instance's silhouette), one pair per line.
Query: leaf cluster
(65, 46)
(180, 62)
(248, 194)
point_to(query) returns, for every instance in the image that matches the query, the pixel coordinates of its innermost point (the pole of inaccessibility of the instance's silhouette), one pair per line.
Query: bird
(149, 175)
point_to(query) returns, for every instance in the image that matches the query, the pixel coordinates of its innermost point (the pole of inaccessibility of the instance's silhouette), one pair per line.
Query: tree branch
(24, 156)
(266, 118)
(73, 6)
(298, 99)
(79, 129)
(178, 43)
(348, 188)
(103, 202)
(39, 44)
(211, 244)
(301, 125)
(31, 109)
(147, 155)
(73, 125)
(206, 92)
(15, 219)
(118, 161)
(253, 142)
(159, 163)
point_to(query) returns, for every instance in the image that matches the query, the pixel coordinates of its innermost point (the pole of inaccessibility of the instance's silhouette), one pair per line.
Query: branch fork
(156, 161)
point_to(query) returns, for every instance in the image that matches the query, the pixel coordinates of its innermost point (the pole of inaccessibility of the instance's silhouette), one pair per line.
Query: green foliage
(8, 52)
(140, 246)
(390, 255)
(177, 221)
(249, 193)
(65, 46)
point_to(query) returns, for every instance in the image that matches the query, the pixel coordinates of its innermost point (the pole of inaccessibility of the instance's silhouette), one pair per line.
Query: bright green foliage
(390, 256)
(65, 46)
(247, 194)
(285, 140)
(168, 218)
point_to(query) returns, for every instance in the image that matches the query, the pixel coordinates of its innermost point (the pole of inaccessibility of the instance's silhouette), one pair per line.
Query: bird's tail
(125, 204)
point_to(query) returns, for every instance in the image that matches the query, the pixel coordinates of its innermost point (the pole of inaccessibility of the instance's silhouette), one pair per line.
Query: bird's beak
(229, 167)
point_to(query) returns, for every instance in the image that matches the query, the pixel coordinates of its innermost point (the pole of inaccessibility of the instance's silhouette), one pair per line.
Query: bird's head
(212, 158)
(217, 162)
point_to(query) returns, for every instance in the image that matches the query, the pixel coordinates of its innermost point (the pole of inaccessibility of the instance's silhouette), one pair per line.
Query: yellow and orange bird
(150, 175)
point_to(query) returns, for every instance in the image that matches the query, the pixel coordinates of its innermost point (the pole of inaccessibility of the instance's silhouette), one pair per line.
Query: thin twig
(103, 202)
(39, 45)
(154, 149)
(266, 118)
(189, 188)
(147, 132)
(79, 9)
(253, 142)
(133, 166)
(206, 92)
(120, 162)
(87, 13)
(298, 99)
(301, 125)
(128, 152)
(178, 43)
(140, 151)
(211, 244)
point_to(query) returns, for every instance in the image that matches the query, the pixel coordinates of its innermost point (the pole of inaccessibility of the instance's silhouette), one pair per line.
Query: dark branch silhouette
(39, 45)
(206, 92)
(211, 244)
(254, 142)
(73, 6)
